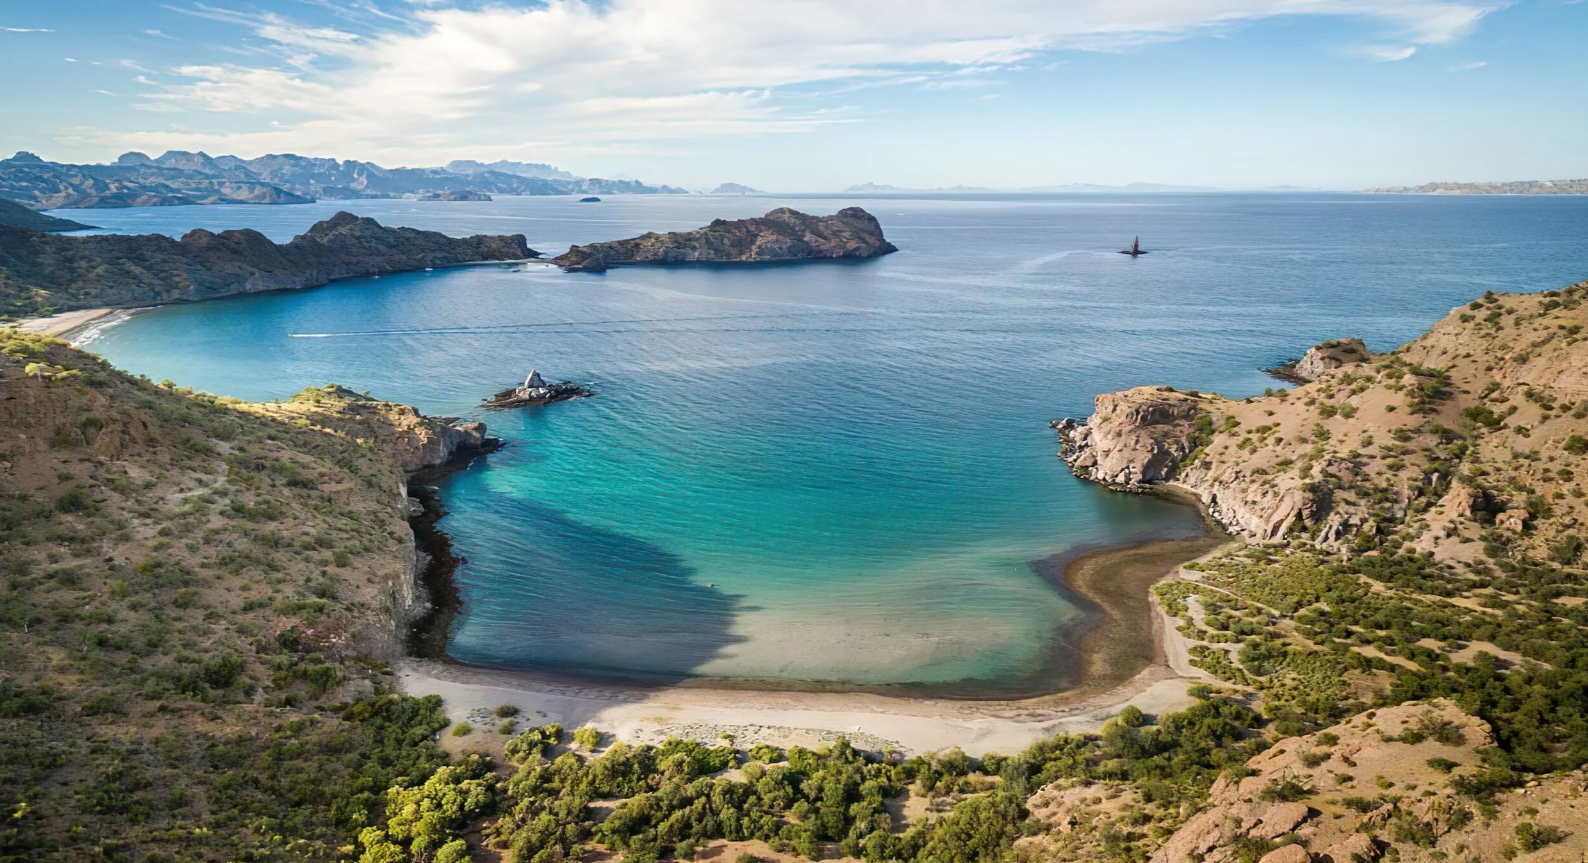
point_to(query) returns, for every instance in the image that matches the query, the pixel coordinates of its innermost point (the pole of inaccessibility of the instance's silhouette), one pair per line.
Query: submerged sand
(1128, 657)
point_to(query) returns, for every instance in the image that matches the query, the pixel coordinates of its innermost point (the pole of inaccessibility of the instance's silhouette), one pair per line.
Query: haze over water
(827, 472)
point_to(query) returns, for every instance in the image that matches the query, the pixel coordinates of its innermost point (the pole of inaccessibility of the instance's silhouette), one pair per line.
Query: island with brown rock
(779, 236)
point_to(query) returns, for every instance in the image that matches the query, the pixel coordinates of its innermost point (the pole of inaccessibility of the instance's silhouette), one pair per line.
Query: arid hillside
(1467, 442)
(191, 587)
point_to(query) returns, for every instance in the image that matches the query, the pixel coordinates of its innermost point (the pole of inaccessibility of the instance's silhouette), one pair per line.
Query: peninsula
(15, 215)
(41, 272)
(781, 235)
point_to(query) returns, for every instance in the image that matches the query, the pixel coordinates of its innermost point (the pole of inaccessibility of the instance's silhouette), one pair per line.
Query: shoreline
(61, 324)
(1125, 663)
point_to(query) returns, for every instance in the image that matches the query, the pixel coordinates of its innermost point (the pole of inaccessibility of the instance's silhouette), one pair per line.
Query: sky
(816, 95)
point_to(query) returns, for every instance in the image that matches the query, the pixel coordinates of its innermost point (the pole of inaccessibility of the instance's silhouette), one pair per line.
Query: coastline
(1124, 663)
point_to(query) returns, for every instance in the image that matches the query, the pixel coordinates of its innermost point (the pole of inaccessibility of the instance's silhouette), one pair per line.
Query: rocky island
(781, 235)
(40, 271)
(535, 391)
(458, 195)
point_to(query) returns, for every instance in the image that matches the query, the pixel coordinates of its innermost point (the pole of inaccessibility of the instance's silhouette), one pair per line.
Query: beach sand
(65, 322)
(1126, 662)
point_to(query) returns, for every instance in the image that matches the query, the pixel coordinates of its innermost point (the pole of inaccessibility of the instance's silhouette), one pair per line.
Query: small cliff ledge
(40, 271)
(1478, 427)
(781, 235)
(414, 440)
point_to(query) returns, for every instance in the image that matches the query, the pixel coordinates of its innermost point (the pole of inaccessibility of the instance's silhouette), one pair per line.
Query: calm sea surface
(829, 472)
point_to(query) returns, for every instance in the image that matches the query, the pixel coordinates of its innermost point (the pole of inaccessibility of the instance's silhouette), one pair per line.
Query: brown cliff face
(62, 273)
(781, 235)
(1475, 427)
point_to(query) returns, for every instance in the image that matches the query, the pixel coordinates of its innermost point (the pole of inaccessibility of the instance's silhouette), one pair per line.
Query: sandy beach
(63, 323)
(1131, 658)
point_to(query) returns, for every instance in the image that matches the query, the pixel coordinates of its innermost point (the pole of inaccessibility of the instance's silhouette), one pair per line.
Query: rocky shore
(1370, 445)
(41, 271)
(781, 235)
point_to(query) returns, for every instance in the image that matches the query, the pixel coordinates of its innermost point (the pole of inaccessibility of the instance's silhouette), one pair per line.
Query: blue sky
(815, 95)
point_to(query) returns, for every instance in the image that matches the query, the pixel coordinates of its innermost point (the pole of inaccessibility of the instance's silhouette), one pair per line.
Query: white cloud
(569, 73)
(1468, 67)
(1384, 53)
(24, 30)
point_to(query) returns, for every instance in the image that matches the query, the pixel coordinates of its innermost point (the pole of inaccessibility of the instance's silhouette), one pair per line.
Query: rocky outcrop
(1321, 359)
(781, 235)
(1421, 443)
(15, 215)
(414, 440)
(63, 273)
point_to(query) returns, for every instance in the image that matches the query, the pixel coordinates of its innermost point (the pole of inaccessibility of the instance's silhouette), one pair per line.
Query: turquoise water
(829, 472)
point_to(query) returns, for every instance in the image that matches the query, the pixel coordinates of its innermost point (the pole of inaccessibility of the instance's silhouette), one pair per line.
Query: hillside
(1463, 443)
(781, 235)
(15, 215)
(40, 272)
(192, 585)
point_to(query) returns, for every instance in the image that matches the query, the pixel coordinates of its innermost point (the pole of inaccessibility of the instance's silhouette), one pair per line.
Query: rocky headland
(15, 215)
(781, 235)
(1475, 425)
(39, 271)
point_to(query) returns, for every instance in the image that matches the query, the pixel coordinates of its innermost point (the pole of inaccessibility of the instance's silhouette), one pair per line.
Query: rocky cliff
(61, 273)
(1474, 431)
(416, 441)
(781, 235)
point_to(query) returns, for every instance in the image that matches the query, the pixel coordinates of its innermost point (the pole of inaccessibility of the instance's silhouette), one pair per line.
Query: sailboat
(1135, 250)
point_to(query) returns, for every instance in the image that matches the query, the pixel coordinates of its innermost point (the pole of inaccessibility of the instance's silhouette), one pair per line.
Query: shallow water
(828, 472)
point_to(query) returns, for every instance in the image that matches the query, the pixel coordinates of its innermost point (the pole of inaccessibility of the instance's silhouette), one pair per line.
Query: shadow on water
(576, 600)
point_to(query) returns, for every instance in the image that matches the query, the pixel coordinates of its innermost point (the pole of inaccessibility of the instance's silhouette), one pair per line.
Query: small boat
(535, 392)
(1135, 250)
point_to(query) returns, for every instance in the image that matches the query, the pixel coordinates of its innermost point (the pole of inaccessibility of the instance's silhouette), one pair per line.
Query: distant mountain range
(179, 177)
(735, 189)
(864, 188)
(1518, 187)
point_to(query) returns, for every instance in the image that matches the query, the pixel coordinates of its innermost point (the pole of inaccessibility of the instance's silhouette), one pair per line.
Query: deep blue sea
(833, 472)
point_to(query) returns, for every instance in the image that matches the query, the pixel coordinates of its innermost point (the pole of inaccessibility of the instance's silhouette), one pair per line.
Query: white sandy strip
(64, 322)
(911, 725)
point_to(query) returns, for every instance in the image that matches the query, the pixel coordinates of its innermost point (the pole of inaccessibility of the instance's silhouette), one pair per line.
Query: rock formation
(62, 273)
(414, 440)
(781, 235)
(1321, 358)
(1427, 442)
